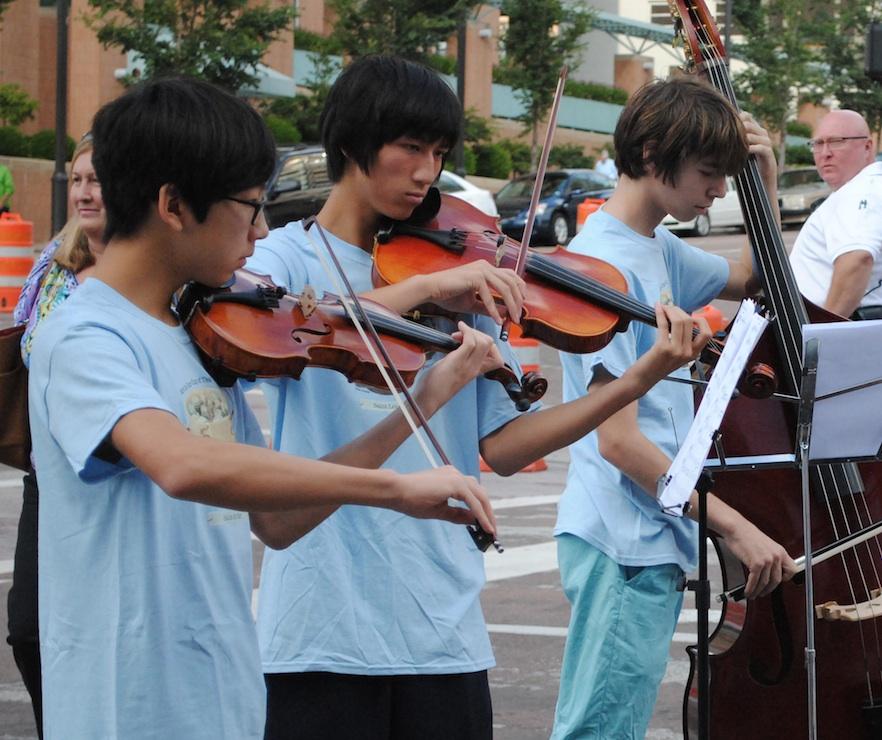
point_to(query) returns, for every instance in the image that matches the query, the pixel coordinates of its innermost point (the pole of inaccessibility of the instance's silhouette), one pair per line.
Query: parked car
(562, 191)
(725, 211)
(299, 186)
(453, 184)
(800, 191)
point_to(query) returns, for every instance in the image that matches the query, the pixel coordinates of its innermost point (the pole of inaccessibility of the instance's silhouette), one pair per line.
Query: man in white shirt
(837, 258)
(605, 166)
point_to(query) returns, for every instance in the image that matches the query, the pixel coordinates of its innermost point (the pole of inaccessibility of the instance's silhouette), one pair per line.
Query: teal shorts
(621, 624)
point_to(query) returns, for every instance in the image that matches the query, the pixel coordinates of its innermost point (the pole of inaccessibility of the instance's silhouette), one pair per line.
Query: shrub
(16, 106)
(442, 64)
(798, 128)
(42, 145)
(493, 160)
(519, 153)
(469, 161)
(13, 143)
(799, 155)
(570, 155)
(596, 91)
(284, 132)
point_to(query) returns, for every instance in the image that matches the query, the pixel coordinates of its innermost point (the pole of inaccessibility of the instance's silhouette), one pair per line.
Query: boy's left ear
(170, 207)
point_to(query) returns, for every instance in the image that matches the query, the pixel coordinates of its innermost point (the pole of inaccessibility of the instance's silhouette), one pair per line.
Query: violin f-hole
(324, 331)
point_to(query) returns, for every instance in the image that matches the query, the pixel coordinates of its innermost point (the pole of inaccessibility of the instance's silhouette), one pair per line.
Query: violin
(757, 652)
(575, 303)
(252, 328)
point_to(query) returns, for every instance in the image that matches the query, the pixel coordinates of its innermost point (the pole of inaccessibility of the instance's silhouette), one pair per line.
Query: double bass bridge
(833, 611)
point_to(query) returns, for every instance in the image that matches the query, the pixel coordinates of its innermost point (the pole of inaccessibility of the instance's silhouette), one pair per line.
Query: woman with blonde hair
(62, 266)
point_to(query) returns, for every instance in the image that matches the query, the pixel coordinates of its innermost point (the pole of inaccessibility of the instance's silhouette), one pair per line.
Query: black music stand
(701, 588)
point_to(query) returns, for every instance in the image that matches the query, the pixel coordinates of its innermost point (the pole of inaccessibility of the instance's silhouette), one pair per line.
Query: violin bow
(373, 343)
(521, 262)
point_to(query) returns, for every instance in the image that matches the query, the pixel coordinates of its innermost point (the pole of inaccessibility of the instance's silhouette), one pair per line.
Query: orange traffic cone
(16, 257)
(585, 209)
(715, 319)
(527, 352)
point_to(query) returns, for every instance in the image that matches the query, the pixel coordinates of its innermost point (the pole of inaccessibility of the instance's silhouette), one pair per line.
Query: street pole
(459, 150)
(59, 176)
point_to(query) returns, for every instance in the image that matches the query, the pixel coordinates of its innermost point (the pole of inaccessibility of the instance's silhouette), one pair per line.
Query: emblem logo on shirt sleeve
(209, 414)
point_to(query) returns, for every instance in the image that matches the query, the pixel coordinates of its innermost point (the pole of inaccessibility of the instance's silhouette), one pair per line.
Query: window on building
(660, 14)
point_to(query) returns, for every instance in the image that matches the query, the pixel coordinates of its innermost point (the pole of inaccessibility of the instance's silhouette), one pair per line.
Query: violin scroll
(523, 393)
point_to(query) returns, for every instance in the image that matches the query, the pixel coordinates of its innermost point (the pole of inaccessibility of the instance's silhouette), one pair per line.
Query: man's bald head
(841, 146)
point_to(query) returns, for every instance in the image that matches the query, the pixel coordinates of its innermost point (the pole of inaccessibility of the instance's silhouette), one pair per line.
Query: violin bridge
(308, 302)
(500, 251)
(832, 611)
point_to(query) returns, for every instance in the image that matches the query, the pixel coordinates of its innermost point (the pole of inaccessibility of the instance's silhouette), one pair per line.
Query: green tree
(219, 40)
(478, 130)
(782, 61)
(304, 110)
(408, 28)
(4, 4)
(542, 36)
(16, 106)
(842, 28)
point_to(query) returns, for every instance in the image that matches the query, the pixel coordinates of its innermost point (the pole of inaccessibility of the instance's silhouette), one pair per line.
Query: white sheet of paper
(677, 485)
(849, 355)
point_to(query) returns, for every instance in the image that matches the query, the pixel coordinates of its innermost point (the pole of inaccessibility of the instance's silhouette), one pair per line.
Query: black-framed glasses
(834, 142)
(256, 204)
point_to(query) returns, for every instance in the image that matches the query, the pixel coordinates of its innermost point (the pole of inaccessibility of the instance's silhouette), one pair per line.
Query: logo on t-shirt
(209, 414)
(666, 295)
(862, 205)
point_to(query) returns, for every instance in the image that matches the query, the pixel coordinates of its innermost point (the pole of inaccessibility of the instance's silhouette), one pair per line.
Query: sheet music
(848, 424)
(676, 486)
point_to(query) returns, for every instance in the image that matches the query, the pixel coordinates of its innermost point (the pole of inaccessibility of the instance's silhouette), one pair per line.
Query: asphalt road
(525, 609)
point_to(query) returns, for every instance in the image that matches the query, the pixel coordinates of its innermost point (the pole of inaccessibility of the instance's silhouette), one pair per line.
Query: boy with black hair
(145, 579)
(370, 625)
(621, 557)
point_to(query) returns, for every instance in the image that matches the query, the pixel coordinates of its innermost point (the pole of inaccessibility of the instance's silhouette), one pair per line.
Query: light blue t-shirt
(600, 504)
(145, 621)
(370, 591)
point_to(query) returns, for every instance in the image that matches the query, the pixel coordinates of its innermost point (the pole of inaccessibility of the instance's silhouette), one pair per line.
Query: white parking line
(513, 503)
(527, 629)
(521, 561)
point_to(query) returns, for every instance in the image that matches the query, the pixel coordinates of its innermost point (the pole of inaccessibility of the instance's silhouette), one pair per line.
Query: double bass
(758, 685)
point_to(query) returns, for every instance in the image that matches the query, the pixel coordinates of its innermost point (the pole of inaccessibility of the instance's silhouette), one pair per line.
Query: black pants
(24, 629)
(320, 706)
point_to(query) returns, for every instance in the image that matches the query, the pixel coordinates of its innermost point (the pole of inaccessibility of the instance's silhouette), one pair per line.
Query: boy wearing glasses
(145, 579)
(837, 258)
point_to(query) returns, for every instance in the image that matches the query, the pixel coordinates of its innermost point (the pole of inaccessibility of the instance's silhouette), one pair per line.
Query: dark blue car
(562, 191)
